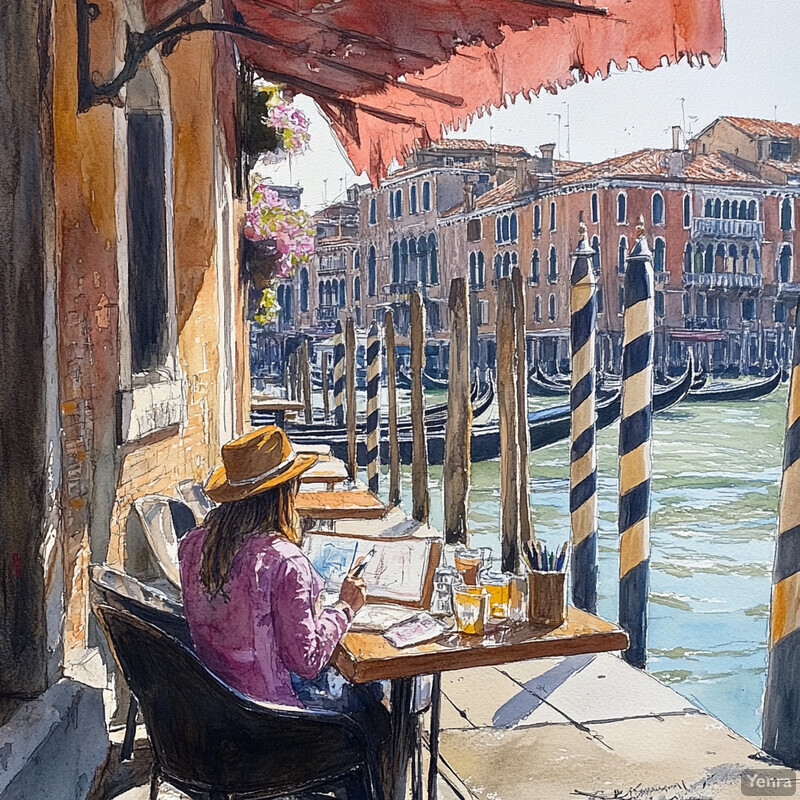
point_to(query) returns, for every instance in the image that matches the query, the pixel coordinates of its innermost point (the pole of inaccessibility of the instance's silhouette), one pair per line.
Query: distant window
(474, 230)
(622, 255)
(404, 260)
(595, 210)
(659, 256)
(748, 308)
(398, 203)
(395, 263)
(498, 266)
(473, 269)
(621, 300)
(412, 199)
(342, 293)
(535, 267)
(780, 149)
(700, 305)
(552, 216)
(356, 289)
(786, 214)
(373, 211)
(735, 209)
(426, 196)
(780, 312)
(537, 220)
(483, 312)
(596, 253)
(785, 264)
(709, 208)
(498, 230)
(726, 210)
(553, 308)
(601, 304)
(537, 308)
(481, 270)
(752, 210)
(371, 272)
(552, 266)
(659, 303)
(622, 208)
(514, 227)
(433, 259)
(506, 264)
(658, 209)
(708, 263)
(505, 228)
(304, 289)
(687, 258)
(717, 208)
(687, 210)
(733, 255)
(686, 307)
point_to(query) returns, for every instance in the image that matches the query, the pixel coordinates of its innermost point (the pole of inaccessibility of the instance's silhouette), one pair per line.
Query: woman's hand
(353, 592)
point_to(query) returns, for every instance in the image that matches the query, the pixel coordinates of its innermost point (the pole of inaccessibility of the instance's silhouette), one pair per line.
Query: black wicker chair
(213, 743)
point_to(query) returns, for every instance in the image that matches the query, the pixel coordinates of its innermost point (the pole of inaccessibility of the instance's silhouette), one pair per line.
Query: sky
(627, 111)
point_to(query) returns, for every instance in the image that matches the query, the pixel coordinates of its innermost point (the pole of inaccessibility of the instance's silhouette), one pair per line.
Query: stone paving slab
(597, 687)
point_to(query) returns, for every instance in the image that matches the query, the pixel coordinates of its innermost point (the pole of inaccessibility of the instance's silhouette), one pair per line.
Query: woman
(250, 594)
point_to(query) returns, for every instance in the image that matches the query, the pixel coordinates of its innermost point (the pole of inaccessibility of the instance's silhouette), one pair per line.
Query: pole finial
(640, 227)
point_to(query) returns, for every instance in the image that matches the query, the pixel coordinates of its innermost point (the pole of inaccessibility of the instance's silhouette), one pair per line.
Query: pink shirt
(267, 626)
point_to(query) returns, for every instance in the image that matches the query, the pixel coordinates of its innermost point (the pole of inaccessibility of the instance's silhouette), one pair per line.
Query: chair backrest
(123, 592)
(194, 496)
(203, 732)
(159, 515)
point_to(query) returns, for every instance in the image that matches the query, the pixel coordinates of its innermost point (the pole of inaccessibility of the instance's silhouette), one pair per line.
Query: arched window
(412, 199)
(786, 214)
(552, 216)
(743, 209)
(709, 259)
(748, 308)
(553, 308)
(726, 209)
(514, 259)
(658, 209)
(426, 196)
(700, 305)
(395, 263)
(756, 261)
(699, 260)
(304, 289)
(622, 208)
(498, 230)
(709, 208)
(733, 255)
(342, 294)
(498, 266)
(481, 269)
(601, 306)
(357, 260)
(373, 211)
(735, 209)
(745, 259)
(687, 258)
(506, 264)
(356, 289)
(413, 264)
(422, 259)
(687, 210)
(780, 312)
(473, 269)
(398, 203)
(404, 260)
(719, 258)
(717, 208)
(433, 257)
(622, 255)
(288, 300)
(686, 308)
(595, 211)
(752, 210)
(785, 264)
(552, 267)
(659, 255)
(321, 290)
(514, 227)
(596, 254)
(658, 299)
(535, 267)
(506, 228)
(537, 220)
(537, 308)
(372, 265)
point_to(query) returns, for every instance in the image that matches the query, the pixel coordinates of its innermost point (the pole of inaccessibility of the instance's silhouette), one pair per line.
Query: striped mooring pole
(781, 723)
(583, 449)
(373, 408)
(635, 434)
(338, 375)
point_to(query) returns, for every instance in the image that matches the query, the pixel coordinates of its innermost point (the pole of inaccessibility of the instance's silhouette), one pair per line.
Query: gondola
(428, 381)
(667, 396)
(749, 390)
(539, 384)
(403, 380)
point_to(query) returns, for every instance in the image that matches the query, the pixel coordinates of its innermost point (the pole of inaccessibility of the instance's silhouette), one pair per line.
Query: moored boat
(746, 390)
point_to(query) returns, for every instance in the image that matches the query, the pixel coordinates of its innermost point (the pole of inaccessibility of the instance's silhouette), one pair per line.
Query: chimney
(522, 184)
(547, 151)
(676, 137)
(469, 197)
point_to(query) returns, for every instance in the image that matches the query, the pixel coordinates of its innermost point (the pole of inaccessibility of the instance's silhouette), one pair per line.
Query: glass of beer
(471, 605)
(469, 563)
(497, 584)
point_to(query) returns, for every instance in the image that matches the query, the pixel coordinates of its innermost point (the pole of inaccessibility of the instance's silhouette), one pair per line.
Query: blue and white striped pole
(781, 724)
(338, 375)
(635, 433)
(373, 408)
(583, 450)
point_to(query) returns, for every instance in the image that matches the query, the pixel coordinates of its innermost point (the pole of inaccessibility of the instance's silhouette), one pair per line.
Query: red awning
(391, 74)
(697, 336)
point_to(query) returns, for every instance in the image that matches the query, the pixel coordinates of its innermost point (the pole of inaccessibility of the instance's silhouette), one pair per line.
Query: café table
(351, 504)
(329, 471)
(275, 405)
(367, 656)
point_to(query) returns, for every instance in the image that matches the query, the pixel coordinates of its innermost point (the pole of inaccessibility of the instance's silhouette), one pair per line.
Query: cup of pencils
(547, 585)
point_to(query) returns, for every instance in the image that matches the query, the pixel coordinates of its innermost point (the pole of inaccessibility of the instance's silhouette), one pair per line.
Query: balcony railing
(706, 323)
(332, 265)
(788, 288)
(734, 228)
(327, 313)
(723, 280)
(402, 287)
(662, 276)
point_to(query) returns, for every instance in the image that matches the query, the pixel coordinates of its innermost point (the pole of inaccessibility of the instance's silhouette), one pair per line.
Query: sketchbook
(400, 572)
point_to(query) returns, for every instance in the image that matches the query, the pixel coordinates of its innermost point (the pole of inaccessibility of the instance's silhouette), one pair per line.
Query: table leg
(436, 710)
(404, 734)
(416, 761)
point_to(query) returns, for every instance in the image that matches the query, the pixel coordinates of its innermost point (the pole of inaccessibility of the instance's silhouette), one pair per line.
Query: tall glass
(468, 563)
(497, 585)
(471, 605)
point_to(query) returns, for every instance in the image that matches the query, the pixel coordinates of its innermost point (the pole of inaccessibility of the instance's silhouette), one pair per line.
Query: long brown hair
(230, 524)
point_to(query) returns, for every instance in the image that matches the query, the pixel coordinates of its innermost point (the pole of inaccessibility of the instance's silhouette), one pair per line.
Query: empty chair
(192, 493)
(164, 521)
(211, 742)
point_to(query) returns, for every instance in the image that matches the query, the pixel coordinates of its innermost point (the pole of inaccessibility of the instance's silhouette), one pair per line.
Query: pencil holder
(547, 598)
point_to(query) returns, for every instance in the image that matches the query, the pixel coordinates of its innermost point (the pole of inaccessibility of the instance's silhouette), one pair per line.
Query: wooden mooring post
(305, 380)
(338, 375)
(509, 433)
(350, 389)
(394, 442)
(373, 407)
(326, 401)
(583, 446)
(523, 432)
(781, 724)
(458, 433)
(420, 499)
(635, 434)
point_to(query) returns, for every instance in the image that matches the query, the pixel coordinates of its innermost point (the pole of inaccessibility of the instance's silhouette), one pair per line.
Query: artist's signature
(674, 791)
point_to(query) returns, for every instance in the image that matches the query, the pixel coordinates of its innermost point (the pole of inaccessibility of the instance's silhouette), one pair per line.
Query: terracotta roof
(503, 193)
(653, 163)
(765, 127)
(787, 167)
(476, 144)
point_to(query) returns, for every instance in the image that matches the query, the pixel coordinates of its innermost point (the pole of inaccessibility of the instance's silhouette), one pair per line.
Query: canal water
(716, 474)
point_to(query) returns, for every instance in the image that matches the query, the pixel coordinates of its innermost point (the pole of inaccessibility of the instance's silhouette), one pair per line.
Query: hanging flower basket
(261, 259)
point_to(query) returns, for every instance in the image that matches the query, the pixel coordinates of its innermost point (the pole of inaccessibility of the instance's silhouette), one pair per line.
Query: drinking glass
(497, 585)
(470, 604)
(468, 563)
(444, 579)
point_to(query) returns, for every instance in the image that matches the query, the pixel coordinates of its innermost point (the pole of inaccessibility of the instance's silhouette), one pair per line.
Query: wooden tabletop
(331, 470)
(264, 403)
(355, 504)
(363, 657)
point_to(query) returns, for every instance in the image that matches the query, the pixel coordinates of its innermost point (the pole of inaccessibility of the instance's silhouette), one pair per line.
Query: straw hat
(254, 463)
